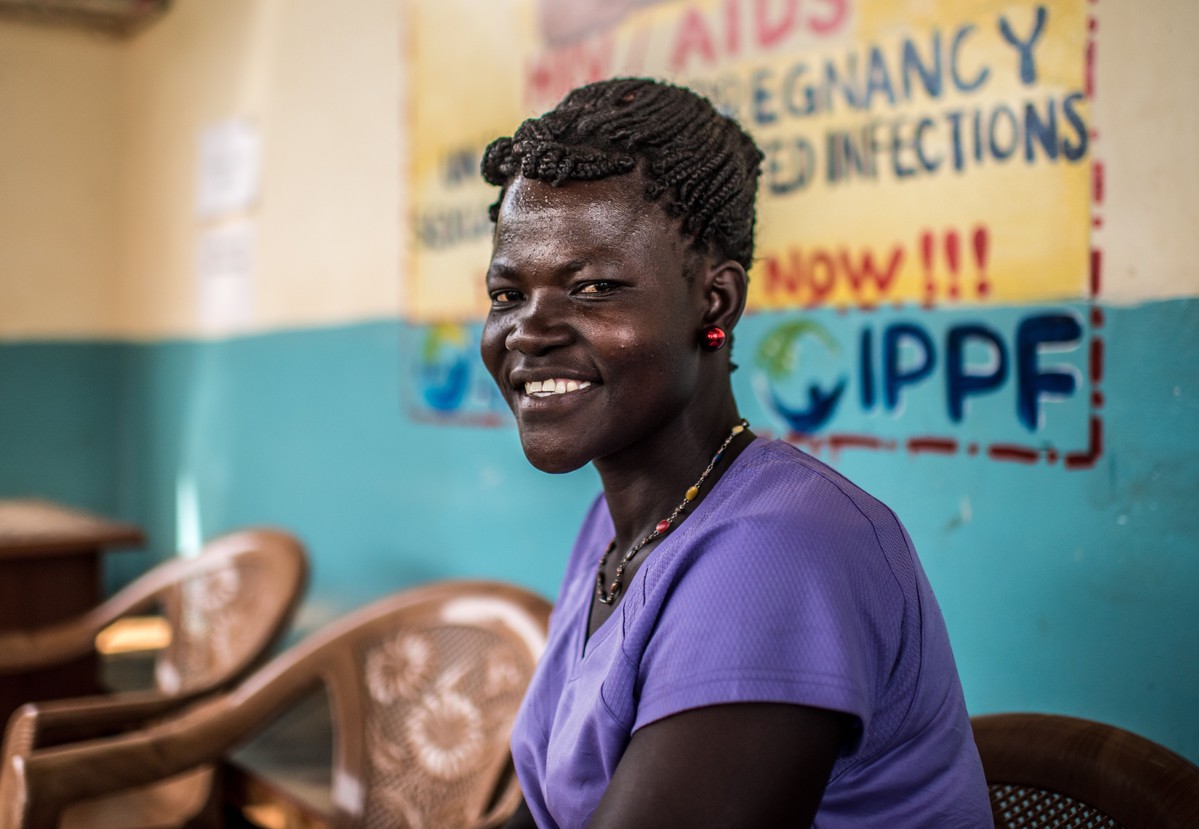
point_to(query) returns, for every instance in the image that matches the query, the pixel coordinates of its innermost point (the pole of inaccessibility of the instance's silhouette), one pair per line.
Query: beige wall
(1148, 131)
(58, 182)
(323, 87)
(98, 172)
(98, 152)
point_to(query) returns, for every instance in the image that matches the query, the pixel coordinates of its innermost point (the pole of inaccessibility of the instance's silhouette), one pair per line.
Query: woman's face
(594, 327)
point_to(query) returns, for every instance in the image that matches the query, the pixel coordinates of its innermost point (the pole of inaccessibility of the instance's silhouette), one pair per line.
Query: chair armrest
(57, 722)
(28, 650)
(49, 780)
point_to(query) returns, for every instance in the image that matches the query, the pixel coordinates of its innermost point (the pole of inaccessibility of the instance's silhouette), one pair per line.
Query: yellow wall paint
(98, 164)
(58, 183)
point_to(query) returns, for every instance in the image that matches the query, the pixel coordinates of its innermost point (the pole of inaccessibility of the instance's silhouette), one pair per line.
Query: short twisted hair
(698, 163)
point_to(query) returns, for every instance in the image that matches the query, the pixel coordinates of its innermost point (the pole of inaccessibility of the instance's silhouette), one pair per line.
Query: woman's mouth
(553, 386)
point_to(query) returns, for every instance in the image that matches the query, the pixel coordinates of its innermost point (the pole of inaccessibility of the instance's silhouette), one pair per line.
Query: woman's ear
(725, 288)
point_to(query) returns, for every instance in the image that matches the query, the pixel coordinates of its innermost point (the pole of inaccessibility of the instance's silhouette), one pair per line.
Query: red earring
(713, 338)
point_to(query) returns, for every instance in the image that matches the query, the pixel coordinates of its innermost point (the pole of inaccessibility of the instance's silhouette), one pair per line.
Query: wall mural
(925, 280)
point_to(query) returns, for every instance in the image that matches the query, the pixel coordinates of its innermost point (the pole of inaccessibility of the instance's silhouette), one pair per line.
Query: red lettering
(693, 36)
(865, 271)
(732, 26)
(804, 278)
(770, 32)
(780, 281)
(555, 72)
(837, 13)
(821, 288)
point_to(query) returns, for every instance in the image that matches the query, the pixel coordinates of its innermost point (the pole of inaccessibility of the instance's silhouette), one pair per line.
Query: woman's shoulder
(778, 482)
(781, 517)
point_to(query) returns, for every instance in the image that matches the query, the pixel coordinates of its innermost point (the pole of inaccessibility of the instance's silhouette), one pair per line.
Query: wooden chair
(1045, 770)
(224, 609)
(423, 686)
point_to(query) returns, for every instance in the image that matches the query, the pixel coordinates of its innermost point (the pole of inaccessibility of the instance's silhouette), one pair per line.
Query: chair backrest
(1050, 770)
(423, 685)
(225, 607)
(424, 719)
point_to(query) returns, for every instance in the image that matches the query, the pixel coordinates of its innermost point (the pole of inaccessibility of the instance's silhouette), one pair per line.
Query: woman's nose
(539, 326)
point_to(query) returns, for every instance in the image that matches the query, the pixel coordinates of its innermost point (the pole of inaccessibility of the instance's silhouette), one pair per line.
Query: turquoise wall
(1065, 589)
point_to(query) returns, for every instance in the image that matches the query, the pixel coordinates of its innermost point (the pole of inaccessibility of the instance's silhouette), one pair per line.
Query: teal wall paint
(59, 434)
(1064, 590)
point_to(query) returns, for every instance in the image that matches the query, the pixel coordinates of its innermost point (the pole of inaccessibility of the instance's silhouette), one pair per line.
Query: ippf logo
(444, 366)
(942, 371)
(451, 384)
(801, 377)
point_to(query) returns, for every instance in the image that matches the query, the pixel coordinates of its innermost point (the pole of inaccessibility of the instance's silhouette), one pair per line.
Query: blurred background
(241, 247)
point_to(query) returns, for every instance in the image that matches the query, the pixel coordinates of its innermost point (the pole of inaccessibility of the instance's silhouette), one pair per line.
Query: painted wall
(380, 443)
(58, 183)
(322, 89)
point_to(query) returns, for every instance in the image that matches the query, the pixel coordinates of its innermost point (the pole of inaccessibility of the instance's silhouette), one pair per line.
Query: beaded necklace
(609, 596)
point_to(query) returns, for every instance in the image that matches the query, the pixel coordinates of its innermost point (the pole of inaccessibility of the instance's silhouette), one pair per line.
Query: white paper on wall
(225, 276)
(227, 176)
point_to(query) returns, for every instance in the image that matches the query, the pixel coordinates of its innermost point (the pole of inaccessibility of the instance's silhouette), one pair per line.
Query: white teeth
(544, 388)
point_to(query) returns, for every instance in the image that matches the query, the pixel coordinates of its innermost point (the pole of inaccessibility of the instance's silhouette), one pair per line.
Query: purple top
(787, 584)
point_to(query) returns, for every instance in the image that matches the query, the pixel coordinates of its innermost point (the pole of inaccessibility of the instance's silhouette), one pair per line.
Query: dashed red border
(1013, 452)
(480, 419)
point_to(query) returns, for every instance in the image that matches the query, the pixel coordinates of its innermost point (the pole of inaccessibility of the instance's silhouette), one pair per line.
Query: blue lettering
(960, 383)
(978, 135)
(955, 72)
(894, 376)
(788, 165)
(1074, 150)
(897, 145)
(1042, 131)
(866, 368)
(1032, 382)
(1028, 66)
(1003, 152)
(833, 81)
(805, 104)
(930, 76)
(878, 79)
(762, 98)
(929, 164)
(955, 138)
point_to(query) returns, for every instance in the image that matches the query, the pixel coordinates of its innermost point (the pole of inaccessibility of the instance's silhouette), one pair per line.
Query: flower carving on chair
(211, 625)
(399, 668)
(446, 733)
(442, 703)
(503, 675)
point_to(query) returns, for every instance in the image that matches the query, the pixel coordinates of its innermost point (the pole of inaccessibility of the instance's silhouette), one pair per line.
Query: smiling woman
(778, 658)
(578, 296)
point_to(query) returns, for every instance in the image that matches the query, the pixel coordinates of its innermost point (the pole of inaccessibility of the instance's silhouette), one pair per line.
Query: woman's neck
(646, 481)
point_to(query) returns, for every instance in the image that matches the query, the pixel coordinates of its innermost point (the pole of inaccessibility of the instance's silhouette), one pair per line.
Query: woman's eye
(504, 297)
(595, 288)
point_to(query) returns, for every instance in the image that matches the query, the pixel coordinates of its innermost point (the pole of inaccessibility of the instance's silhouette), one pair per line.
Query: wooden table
(50, 571)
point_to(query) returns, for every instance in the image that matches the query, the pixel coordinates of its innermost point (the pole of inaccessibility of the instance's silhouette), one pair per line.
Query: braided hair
(699, 164)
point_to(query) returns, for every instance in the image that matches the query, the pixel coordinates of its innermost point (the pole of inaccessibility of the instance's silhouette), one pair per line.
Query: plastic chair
(225, 608)
(423, 686)
(1046, 770)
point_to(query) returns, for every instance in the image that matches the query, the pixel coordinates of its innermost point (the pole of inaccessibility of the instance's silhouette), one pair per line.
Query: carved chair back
(423, 686)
